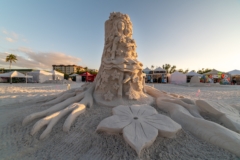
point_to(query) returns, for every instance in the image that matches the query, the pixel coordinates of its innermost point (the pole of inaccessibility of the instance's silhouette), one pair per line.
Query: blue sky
(189, 34)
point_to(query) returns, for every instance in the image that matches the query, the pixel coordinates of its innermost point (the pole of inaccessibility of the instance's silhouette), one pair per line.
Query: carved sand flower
(104, 77)
(140, 125)
(115, 86)
(115, 75)
(108, 96)
(102, 86)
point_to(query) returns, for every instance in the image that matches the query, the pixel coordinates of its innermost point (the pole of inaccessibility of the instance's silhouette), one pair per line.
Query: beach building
(68, 69)
(157, 75)
(147, 74)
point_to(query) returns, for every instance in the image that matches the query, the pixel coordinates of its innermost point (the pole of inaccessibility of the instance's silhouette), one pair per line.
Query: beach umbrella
(234, 72)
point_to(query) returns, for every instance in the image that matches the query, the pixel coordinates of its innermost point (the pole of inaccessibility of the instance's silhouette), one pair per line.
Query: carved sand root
(203, 129)
(186, 103)
(193, 109)
(56, 112)
(60, 99)
(187, 113)
(223, 113)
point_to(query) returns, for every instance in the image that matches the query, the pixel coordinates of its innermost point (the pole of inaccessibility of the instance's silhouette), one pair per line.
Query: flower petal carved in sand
(140, 125)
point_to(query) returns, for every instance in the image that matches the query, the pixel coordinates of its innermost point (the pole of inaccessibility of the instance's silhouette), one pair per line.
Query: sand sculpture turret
(120, 84)
(120, 76)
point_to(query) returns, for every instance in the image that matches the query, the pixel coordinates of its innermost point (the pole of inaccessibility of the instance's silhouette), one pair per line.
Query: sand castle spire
(119, 65)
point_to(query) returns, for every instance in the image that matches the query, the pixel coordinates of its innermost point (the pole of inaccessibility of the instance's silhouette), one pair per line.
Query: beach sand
(82, 141)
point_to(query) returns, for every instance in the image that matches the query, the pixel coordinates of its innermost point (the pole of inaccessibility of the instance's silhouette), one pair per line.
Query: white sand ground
(82, 142)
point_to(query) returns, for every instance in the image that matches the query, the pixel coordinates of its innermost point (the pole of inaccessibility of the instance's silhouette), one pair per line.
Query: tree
(78, 70)
(11, 58)
(204, 71)
(172, 69)
(168, 68)
(66, 76)
(86, 69)
(181, 70)
(152, 67)
(186, 71)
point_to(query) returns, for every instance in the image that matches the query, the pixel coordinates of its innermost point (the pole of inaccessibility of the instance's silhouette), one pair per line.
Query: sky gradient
(189, 34)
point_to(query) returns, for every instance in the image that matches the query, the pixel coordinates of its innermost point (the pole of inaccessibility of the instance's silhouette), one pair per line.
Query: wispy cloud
(39, 60)
(12, 36)
(9, 39)
(4, 32)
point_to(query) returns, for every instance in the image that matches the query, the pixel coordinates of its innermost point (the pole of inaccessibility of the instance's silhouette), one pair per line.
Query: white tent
(159, 69)
(195, 79)
(14, 74)
(177, 78)
(40, 76)
(78, 78)
(57, 75)
(147, 70)
(214, 72)
(192, 73)
(234, 72)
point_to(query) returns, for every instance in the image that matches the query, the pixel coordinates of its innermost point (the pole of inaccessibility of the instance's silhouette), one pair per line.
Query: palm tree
(181, 70)
(204, 71)
(168, 68)
(11, 58)
(172, 69)
(186, 71)
(152, 67)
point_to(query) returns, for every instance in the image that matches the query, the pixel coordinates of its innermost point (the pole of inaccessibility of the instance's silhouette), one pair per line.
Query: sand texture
(83, 142)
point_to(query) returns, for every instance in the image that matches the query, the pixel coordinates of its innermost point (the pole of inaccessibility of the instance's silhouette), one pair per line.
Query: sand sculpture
(120, 84)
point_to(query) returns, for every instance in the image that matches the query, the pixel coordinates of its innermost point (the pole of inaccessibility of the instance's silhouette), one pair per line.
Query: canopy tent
(234, 72)
(193, 73)
(160, 70)
(146, 70)
(214, 72)
(177, 78)
(57, 75)
(87, 77)
(76, 77)
(86, 74)
(195, 79)
(14, 74)
(40, 76)
(216, 76)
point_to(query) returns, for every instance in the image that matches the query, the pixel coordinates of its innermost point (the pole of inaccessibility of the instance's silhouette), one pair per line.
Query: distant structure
(23, 71)
(68, 69)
